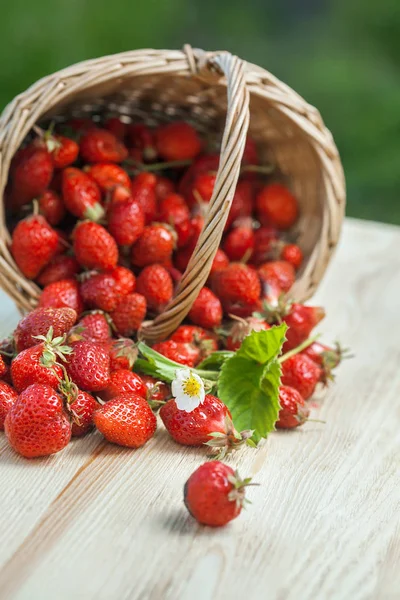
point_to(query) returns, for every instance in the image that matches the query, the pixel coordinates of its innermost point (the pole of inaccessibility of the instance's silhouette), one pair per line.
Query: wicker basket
(222, 95)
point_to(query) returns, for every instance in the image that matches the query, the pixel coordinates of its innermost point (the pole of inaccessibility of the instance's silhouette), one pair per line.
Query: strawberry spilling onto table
(105, 216)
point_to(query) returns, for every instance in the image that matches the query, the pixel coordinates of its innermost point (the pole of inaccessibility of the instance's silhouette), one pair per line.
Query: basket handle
(233, 141)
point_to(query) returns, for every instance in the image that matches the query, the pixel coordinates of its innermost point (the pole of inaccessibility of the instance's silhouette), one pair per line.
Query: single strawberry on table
(37, 423)
(293, 412)
(302, 374)
(214, 494)
(123, 381)
(126, 420)
(82, 409)
(34, 244)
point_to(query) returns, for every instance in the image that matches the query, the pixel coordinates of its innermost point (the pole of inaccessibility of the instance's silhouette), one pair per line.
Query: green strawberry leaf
(249, 382)
(215, 360)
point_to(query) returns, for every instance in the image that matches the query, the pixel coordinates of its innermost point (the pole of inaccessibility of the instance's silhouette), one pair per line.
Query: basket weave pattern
(224, 97)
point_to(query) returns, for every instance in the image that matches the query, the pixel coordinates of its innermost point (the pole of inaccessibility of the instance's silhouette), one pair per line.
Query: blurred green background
(341, 55)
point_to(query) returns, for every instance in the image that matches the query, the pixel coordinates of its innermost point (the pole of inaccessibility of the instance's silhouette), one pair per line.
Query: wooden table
(101, 522)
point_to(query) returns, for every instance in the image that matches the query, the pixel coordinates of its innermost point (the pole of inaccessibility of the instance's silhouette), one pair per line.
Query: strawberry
(157, 392)
(155, 284)
(141, 138)
(123, 354)
(34, 243)
(81, 195)
(207, 163)
(250, 153)
(89, 366)
(205, 341)
(28, 368)
(105, 290)
(94, 247)
(123, 381)
(239, 243)
(277, 206)
(8, 397)
(292, 254)
(39, 321)
(220, 262)
(203, 187)
(117, 127)
(214, 494)
(325, 357)
(238, 288)
(37, 424)
(93, 327)
(264, 240)
(118, 194)
(293, 412)
(126, 222)
(129, 314)
(183, 256)
(126, 420)
(173, 210)
(277, 277)
(177, 141)
(164, 187)
(301, 320)
(206, 310)
(184, 354)
(242, 203)
(155, 245)
(63, 242)
(80, 125)
(241, 328)
(60, 294)
(3, 366)
(100, 146)
(65, 151)
(83, 408)
(143, 191)
(108, 176)
(32, 173)
(51, 207)
(302, 374)
(60, 267)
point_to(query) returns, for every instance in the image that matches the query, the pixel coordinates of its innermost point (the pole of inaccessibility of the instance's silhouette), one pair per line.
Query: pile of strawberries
(105, 218)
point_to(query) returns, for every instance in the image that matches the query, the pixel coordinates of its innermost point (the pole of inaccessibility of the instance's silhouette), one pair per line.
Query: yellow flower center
(191, 386)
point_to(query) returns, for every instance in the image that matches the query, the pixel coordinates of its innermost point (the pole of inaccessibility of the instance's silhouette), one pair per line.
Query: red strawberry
(126, 420)
(277, 275)
(129, 314)
(105, 290)
(155, 245)
(51, 207)
(89, 366)
(34, 243)
(60, 294)
(94, 247)
(8, 397)
(174, 211)
(157, 392)
(292, 254)
(238, 288)
(81, 195)
(203, 187)
(108, 176)
(37, 424)
(301, 320)
(183, 255)
(3, 366)
(61, 267)
(214, 494)
(27, 368)
(126, 222)
(302, 374)
(164, 187)
(277, 206)
(83, 408)
(123, 354)
(116, 126)
(141, 138)
(143, 191)
(220, 262)
(323, 355)
(207, 163)
(264, 240)
(177, 141)
(242, 202)
(241, 328)
(206, 310)
(123, 381)
(184, 354)
(100, 145)
(250, 153)
(293, 412)
(65, 151)
(119, 194)
(205, 341)
(239, 243)
(39, 321)
(32, 174)
(80, 125)
(155, 284)
(63, 242)
(93, 327)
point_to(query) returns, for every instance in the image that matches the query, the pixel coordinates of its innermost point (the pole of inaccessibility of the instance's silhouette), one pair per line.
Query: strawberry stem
(173, 164)
(298, 348)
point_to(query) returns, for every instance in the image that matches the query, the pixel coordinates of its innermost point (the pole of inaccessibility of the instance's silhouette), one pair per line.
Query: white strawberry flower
(187, 389)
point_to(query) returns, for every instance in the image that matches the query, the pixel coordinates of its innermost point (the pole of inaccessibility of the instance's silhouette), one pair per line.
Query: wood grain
(98, 521)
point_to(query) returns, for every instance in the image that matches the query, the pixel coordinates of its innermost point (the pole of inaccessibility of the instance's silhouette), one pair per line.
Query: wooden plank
(98, 521)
